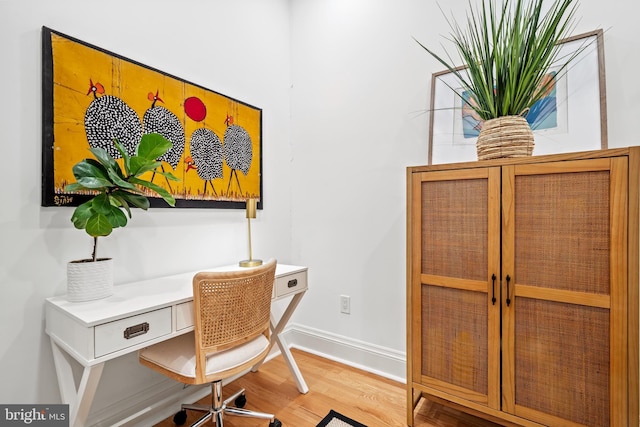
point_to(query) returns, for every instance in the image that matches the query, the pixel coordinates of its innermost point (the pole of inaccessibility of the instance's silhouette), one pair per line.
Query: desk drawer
(291, 283)
(120, 334)
(184, 315)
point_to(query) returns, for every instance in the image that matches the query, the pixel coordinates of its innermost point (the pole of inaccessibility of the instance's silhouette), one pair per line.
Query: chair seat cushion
(178, 355)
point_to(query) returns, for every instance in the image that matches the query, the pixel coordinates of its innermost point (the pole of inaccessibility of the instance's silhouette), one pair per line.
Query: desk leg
(276, 329)
(79, 399)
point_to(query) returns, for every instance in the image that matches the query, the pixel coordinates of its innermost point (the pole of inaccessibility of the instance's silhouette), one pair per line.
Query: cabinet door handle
(508, 299)
(493, 289)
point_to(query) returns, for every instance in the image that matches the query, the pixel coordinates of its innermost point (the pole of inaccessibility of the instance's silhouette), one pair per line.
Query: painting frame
(584, 101)
(195, 119)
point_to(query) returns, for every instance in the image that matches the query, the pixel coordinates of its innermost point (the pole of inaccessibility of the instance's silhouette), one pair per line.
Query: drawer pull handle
(134, 331)
(292, 283)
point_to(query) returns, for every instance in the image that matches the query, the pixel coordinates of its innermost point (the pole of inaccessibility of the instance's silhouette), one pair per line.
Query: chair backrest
(232, 307)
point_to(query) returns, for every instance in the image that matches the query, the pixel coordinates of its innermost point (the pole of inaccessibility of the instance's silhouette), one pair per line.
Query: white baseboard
(372, 358)
(163, 400)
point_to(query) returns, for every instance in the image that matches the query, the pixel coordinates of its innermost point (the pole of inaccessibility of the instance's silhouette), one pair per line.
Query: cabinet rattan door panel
(562, 231)
(454, 228)
(454, 333)
(562, 362)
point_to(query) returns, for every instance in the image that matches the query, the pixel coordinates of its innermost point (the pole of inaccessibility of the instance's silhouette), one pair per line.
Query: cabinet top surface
(136, 297)
(612, 152)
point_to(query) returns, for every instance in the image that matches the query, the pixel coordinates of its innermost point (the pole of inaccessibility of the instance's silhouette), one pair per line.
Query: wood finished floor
(367, 398)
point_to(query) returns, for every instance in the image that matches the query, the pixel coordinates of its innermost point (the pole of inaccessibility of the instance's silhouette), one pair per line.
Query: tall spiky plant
(507, 52)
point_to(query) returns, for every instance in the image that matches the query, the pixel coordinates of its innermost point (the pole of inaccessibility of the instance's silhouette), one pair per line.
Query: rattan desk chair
(231, 334)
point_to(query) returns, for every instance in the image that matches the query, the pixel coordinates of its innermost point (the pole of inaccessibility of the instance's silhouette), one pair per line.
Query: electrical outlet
(345, 304)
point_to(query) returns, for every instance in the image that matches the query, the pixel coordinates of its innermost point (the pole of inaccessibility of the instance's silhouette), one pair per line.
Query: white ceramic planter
(88, 280)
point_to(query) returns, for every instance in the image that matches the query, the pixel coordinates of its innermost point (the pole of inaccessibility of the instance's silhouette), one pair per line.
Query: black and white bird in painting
(107, 118)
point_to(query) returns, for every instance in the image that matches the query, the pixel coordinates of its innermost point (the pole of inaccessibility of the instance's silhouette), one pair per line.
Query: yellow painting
(92, 96)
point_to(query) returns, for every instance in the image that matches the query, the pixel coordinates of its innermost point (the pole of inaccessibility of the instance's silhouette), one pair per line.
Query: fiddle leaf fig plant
(117, 190)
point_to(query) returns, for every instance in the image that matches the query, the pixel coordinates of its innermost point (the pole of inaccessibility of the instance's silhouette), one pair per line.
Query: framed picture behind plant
(573, 117)
(92, 96)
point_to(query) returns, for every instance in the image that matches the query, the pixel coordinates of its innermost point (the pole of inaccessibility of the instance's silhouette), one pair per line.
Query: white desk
(137, 315)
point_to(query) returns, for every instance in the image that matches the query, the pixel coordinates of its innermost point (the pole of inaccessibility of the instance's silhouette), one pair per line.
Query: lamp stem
(249, 233)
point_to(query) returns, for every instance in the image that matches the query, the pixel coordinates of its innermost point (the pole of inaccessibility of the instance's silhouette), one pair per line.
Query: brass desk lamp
(251, 213)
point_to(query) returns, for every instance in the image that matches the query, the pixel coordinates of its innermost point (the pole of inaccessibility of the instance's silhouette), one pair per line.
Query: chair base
(219, 408)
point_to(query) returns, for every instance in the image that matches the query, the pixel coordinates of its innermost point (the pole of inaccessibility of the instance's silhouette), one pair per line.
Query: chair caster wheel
(180, 418)
(241, 401)
(275, 423)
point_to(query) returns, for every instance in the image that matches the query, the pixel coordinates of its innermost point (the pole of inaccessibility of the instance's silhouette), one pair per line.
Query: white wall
(237, 48)
(344, 91)
(360, 96)
(359, 103)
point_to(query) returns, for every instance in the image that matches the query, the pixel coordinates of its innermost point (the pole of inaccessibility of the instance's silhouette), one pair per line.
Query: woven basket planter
(508, 136)
(87, 280)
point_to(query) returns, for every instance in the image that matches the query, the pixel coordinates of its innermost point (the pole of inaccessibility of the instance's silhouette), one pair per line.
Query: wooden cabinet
(522, 288)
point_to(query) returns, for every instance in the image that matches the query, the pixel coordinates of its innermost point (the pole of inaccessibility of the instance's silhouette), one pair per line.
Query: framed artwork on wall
(92, 96)
(573, 117)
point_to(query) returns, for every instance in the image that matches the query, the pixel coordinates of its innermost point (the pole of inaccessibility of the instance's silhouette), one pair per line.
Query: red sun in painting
(195, 109)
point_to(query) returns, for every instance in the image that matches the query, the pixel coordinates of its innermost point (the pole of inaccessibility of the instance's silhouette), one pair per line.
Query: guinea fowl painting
(92, 97)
